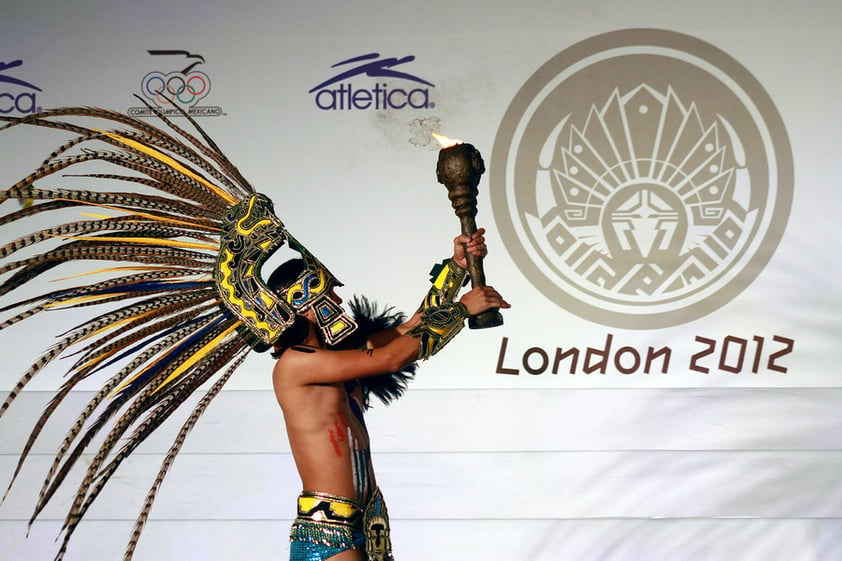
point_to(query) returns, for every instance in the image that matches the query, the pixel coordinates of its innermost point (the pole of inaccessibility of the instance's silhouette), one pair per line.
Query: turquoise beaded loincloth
(329, 524)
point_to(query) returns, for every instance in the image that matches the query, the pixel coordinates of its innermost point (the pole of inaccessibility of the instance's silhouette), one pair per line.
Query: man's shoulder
(297, 363)
(299, 352)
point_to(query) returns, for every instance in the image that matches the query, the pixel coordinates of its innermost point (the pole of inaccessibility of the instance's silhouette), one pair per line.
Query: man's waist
(331, 509)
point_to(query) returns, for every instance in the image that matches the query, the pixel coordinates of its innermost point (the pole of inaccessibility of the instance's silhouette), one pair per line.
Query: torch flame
(446, 142)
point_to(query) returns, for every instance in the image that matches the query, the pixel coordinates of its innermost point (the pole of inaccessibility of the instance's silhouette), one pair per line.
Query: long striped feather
(132, 224)
(74, 335)
(55, 475)
(143, 397)
(173, 452)
(168, 178)
(159, 411)
(174, 309)
(88, 365)
(128, 201)
(212, 150)
(31, 210)
(174, 181)
(126, 283)
(111, 252)
(163, 330)
(149, 134)
(136, 398)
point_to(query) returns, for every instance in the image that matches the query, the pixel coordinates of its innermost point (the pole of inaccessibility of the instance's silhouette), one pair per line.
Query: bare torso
(327, 435)
(321, 399)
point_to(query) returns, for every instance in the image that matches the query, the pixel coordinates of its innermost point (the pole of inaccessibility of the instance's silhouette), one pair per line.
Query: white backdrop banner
(662, 209)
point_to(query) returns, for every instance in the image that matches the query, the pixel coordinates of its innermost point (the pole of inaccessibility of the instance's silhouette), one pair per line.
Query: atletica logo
(389, 90)
(641, 178)
(182, 88)
(16, 95)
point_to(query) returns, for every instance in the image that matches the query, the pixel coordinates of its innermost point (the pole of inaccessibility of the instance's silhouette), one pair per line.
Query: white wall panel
(644, 484)
(509, 540)
(676, 466)
(482, 420)
(653, 540)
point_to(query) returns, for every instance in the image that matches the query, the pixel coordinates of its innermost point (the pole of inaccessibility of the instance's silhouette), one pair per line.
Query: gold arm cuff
(438, 326)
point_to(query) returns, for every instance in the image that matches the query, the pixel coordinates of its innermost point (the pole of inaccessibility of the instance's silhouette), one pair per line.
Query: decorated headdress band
(252, 233)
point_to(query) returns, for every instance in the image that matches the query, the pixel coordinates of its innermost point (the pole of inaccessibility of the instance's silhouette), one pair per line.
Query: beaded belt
(333, 509)
(335, 521)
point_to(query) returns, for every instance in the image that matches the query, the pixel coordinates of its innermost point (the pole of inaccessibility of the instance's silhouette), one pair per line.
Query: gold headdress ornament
(252, 234)
(188, 236)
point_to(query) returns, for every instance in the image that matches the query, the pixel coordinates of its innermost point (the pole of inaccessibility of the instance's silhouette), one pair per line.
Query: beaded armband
(441, 317)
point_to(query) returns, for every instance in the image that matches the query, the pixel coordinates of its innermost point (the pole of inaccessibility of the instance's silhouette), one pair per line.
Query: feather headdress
(185, 235)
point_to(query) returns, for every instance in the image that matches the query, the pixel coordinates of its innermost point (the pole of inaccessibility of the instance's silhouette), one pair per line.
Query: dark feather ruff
(370, 318)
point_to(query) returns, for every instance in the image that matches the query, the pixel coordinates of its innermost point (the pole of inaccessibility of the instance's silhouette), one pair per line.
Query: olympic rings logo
(176, 87)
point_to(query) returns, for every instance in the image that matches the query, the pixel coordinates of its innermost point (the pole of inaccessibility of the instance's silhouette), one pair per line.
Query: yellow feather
(163, 158)
(184, 366)
(197, 356)
(149, 241)
(119, 269)
(80, 299)
(142, 215)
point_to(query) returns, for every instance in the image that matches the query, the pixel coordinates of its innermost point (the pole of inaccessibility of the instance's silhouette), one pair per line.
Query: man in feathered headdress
(176, 249)
(323, 393)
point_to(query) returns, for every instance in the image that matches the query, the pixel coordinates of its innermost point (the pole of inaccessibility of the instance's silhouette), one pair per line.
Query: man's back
(326, 432)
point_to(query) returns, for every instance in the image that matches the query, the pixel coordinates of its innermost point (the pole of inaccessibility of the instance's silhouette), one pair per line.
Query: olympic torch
(459, 169)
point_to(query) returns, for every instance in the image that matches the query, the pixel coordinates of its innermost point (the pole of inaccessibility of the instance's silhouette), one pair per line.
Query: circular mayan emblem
(641, 179)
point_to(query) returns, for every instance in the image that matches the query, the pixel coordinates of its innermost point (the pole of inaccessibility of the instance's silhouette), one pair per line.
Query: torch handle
(491, 317)
(475, 267)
